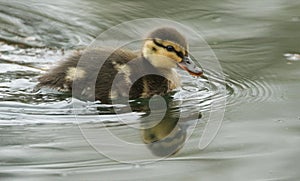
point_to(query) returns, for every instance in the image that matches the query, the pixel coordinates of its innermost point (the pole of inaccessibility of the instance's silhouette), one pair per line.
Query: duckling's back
(88, 74)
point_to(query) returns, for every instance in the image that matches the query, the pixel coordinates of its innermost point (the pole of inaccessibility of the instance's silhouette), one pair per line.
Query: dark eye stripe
(158, 44)
(179, 54)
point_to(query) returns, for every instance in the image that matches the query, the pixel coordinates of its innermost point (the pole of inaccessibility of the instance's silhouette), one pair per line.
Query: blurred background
(257, 43)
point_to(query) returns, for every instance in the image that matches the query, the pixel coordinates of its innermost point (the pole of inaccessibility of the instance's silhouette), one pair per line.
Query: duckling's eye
(170, 48)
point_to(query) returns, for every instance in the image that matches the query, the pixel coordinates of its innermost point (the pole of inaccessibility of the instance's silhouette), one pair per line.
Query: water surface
(254, 41)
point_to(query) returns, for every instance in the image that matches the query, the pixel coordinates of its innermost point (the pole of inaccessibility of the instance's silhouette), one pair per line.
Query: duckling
(146, 73)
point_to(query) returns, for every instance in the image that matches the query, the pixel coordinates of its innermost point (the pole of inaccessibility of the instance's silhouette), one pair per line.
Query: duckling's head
(166, 48)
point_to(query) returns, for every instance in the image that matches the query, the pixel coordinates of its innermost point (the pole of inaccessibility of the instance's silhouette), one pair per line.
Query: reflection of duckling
(162, 135)
(165, 138)
(163, 50)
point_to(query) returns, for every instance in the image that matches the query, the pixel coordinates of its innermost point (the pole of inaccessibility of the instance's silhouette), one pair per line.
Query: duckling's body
(102, 74)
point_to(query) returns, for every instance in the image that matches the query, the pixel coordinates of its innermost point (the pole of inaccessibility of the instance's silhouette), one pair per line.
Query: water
(256, 42)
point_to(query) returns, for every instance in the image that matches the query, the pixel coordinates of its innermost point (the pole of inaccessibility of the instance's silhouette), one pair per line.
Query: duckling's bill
(188, 65)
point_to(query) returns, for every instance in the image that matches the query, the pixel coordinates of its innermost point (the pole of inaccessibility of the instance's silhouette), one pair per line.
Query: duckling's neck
(167, 72)
(172, 76)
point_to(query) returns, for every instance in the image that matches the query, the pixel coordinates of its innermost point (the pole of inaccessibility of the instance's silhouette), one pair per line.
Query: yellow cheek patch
(171, 55)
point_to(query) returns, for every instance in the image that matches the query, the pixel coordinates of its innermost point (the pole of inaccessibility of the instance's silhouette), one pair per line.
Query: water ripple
(239, 89)
(246, 90)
